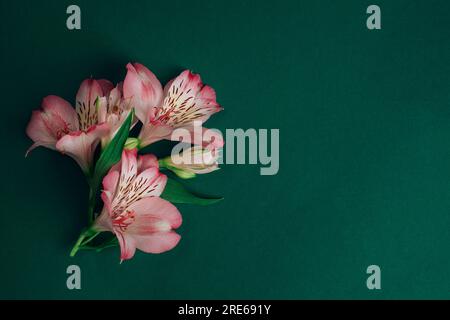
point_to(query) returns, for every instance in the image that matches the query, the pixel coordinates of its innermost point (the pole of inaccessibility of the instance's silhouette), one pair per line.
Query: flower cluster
(135, 209)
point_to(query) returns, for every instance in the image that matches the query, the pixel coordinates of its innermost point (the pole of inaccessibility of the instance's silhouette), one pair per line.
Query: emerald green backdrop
(364, 119)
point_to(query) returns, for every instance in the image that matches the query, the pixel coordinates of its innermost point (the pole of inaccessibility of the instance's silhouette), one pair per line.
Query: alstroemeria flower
(192, 161)
(133, 210)
(75, 132)
(114, 109)
(185, 100)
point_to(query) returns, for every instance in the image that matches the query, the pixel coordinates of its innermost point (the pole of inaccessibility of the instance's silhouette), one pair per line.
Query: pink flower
(133, 210)
(75, 132)
(185, 100)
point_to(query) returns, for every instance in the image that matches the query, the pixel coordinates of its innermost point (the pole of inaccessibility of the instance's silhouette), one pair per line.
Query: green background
(364, 119)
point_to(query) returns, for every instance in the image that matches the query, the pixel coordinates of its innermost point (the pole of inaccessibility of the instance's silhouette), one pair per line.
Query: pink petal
(212, 139)
(103, 222)
(102, 110)
(186, 100)
(81, 145)
(154, 185)
(151, 133)
(145, 90)
(89, 91)
(108, 198)
(207, 138)
(151, 210)
(128, 169)
(208, 93)
(157, 243)
(150, 183)
(39, 132)
(61, 110)
(119, 200)
(127, 246)
(87, 95)
(147, 161)
(110, 182)
(114, 97)
(106, 86)
(186, 80)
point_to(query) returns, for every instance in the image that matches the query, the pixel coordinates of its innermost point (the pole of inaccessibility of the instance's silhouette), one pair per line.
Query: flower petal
(186, 100)
(150, 183)
(128, 169)
(128, 172)
(81, 145)
(88, 93)
(103, 222)
(151, 211)
(38, 131)
(151, 133)
(60, 110)
(145, 90)
(158, 242)
(127, 246)
(102, 110)
(147, 161)
(207, 138)
(110, 182)
(115, 97)
(106, 86)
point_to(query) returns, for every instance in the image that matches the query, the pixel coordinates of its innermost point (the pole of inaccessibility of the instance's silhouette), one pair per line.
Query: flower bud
(192, 161)
(132, 143)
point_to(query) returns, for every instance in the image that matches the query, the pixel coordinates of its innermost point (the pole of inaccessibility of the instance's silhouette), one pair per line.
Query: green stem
(108, 244)
(90, 239)
(77, 245)
(88, 233)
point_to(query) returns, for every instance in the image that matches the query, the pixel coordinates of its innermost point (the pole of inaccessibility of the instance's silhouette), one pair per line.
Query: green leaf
(175, 192)
(113, 152)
